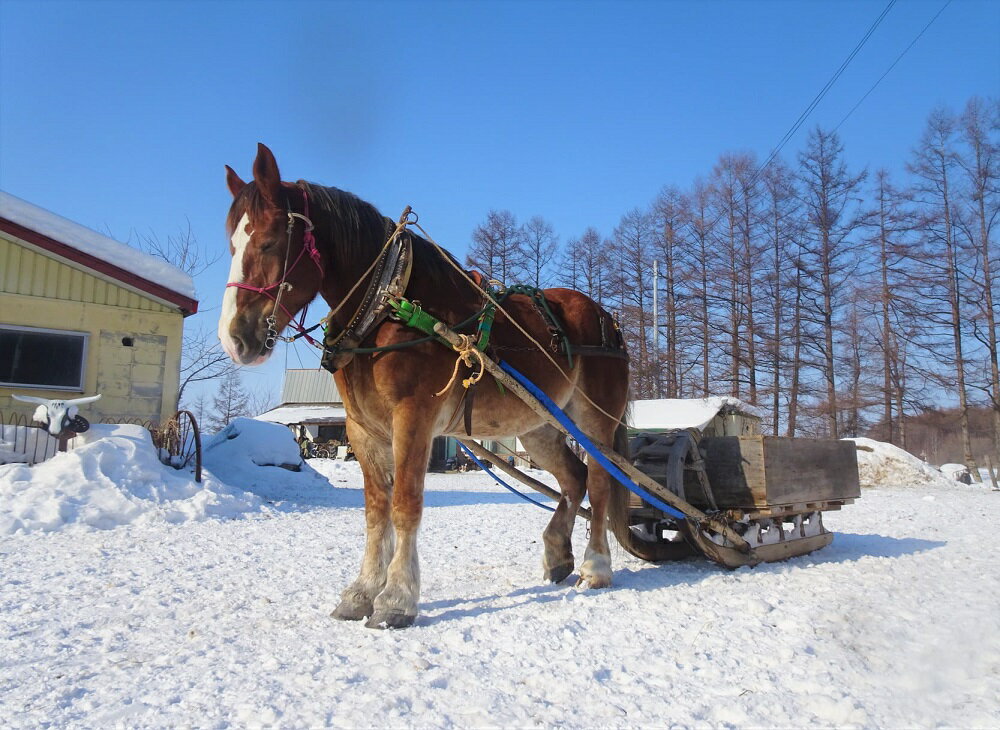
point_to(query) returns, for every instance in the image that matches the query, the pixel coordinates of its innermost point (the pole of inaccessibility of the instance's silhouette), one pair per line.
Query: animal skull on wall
(59, 415)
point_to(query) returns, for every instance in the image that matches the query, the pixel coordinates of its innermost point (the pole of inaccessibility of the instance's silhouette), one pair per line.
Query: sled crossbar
(500, 481)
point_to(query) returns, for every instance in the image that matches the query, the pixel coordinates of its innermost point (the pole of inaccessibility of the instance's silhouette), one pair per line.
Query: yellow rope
(470, 355)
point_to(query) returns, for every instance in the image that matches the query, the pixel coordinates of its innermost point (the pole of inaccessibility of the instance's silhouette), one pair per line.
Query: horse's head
(276, 269)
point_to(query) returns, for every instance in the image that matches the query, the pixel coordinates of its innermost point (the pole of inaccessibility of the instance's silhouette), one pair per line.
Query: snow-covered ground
(216, 613)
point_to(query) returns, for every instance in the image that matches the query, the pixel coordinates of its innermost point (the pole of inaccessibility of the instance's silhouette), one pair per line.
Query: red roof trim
(185, 304)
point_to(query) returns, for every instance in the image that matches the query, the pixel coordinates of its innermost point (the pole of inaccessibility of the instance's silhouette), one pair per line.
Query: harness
(384, 298)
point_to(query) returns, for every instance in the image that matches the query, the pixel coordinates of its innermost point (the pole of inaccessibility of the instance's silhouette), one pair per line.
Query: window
(41, 358)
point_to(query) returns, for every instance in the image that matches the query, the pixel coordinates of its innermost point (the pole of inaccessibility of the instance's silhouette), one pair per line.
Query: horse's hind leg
(547, 447)
(595, 571)
(375, 457)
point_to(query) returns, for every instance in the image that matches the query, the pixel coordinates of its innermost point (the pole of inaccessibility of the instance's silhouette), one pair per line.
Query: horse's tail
(619, 497)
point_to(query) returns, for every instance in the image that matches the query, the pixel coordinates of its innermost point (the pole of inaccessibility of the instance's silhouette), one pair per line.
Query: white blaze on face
(239, 239)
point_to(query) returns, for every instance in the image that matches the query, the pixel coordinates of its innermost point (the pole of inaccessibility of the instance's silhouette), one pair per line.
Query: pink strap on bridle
(308, 245)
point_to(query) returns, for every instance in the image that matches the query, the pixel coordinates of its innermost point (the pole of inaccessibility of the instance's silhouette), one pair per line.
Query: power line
(891, 67)
(822, 93)
(812, 105)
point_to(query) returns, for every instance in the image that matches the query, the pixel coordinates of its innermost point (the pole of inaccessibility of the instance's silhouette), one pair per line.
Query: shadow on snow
(846, 548)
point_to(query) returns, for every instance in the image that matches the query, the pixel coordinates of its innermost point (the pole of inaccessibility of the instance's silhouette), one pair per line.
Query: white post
(656, 329)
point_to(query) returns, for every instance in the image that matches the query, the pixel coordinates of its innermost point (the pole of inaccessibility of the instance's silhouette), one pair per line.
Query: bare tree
(702, 225)
(633, 240)
(895, 305)
(934, 162)
(670, 216)
(180, 249)
(498, 247)
(202, 359)
(833, 213)
(735, 264)
(540, 243)
(980, 130)
(780, 226)
(261, 400)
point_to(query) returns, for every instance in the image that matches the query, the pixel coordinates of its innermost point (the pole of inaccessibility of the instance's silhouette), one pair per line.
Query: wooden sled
(736, 499)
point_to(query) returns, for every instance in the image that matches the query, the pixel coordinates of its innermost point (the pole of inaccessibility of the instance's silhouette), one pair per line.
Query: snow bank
(884, 465)
(113, 477)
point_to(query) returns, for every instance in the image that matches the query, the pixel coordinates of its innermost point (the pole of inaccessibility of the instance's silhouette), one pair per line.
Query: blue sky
(121, 115)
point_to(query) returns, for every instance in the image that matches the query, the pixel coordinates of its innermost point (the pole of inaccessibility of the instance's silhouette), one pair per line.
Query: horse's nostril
(240, 345)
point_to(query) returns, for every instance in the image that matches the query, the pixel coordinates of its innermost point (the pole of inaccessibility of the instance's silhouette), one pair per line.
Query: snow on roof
(95, 244)
(304, 414)
(684, 412)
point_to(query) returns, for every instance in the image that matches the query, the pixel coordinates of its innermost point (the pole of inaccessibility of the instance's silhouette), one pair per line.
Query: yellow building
(81, 313)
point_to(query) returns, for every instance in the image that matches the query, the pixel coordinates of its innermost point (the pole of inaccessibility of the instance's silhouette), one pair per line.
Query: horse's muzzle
(246, 342)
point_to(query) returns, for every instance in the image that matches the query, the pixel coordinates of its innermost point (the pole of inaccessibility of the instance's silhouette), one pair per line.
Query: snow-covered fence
(178, 441)
(23, 442)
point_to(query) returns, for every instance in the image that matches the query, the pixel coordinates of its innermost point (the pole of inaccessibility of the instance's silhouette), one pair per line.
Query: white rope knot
(472, 358)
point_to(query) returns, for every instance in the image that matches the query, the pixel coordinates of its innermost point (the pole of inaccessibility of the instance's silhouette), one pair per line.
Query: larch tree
(633, 241)
(498, 247)
(701, 223)
(670, 219)
(779, 214)
(734, 265)
(539, 246)
(979, 128)
(934, 166)
(231, 401)
(831, 204)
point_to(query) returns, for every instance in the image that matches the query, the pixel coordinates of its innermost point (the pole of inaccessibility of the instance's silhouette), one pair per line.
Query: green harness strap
(413, 315)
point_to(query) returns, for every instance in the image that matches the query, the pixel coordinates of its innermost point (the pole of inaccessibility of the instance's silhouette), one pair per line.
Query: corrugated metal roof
(309, 386)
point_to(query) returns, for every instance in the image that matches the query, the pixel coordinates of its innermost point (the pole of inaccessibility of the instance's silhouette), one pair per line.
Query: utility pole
(656, 327)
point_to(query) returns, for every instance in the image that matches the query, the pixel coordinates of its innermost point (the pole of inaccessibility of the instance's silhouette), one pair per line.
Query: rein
(308, 246)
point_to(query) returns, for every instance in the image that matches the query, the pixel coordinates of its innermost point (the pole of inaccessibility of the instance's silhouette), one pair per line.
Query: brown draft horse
(393, 414)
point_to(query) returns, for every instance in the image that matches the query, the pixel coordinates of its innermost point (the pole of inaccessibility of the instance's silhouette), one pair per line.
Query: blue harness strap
(588, 445)
(502, 483)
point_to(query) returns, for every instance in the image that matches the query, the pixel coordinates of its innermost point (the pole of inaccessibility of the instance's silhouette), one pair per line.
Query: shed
(311, 406)
(82, 313)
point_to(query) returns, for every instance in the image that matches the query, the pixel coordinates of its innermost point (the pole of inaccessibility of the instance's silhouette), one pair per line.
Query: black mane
(359, 231)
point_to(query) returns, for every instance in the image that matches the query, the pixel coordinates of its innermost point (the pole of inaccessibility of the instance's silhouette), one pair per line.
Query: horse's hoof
(390, 620)
(352, 611)
(559, 573)
(594, 581)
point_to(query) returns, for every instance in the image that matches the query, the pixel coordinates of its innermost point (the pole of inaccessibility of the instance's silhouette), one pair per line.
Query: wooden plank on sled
(618, 460)
(764, 472)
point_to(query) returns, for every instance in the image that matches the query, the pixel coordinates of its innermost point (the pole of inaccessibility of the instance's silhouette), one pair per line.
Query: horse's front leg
(396, 605)
(375, 457)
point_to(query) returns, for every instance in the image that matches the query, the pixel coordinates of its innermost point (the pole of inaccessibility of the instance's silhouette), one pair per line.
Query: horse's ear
(233, 181)
(265, 172)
